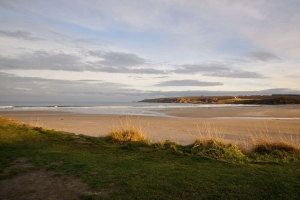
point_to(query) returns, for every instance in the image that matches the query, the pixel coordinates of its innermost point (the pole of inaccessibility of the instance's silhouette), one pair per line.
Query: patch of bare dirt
(18, 164)
(42, 184)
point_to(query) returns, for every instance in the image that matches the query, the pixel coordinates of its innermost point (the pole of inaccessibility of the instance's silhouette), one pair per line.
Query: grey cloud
(59, 87)
(42, 60)
(147, 78)
(198, 68)
(262, 56)
(112, 63)
(216, 70)
(235, 74)
(13, 79)
(32, 89)
(144, 71)
(280, 91)
(154, 94)
(19, 34)
(124, 70)
(118, 62)
(118, 59)
(138, 77)
(188, 83)
(89, 80)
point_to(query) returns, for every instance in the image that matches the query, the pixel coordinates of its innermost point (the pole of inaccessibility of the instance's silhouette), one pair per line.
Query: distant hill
(268, 100)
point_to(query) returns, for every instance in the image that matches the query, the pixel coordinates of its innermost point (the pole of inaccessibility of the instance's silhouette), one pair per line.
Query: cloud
(271, 91)
(234, 73)
(124, 70)
(29, 89)
(114, 62)
(118, 59)
(198, 68)
(87, 80)
(216, 70)
(159, 77)
(155, 38)
(43, 85)
(19, 34)
(188, 83)
(257, 23)
(262, 56)
(119, 62)
(42, 60)
(279, 91)
(110, 62)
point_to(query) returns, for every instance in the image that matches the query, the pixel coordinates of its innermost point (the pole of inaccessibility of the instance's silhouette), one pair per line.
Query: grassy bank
(126, 169)
(263, 100)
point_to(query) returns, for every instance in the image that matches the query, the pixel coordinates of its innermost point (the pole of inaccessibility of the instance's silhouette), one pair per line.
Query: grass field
(140, 170)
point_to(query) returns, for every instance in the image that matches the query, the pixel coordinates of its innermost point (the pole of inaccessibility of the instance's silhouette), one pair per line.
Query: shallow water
(115, 108)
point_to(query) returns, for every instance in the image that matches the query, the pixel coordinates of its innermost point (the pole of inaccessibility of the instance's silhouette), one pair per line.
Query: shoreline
(187, 125)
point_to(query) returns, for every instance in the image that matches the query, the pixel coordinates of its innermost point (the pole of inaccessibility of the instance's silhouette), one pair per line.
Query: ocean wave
(166, 106)
(6, 107)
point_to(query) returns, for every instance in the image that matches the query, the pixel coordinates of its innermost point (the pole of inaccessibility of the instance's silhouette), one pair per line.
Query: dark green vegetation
(140, 170)
(269, 100)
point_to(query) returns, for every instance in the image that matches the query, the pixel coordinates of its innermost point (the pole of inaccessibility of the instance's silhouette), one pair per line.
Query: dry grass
(127, 134)
(208, 131)
(211, 141)
(9, 121)
(261, 137)
(259, 140)
(36, 123)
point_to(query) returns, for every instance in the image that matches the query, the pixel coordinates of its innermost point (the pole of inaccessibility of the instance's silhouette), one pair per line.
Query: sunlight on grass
(126, 132)
(261, 137)
(216, 149)
(131, 168)
(126, 135)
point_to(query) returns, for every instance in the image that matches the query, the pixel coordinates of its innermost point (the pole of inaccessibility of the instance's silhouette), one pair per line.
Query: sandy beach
(230, 123)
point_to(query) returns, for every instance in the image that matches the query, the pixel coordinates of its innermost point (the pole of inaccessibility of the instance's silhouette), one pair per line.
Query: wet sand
(267, 111)
(231, 123)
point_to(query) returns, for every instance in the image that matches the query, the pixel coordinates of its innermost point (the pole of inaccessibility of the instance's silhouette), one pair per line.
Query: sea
(119, 108)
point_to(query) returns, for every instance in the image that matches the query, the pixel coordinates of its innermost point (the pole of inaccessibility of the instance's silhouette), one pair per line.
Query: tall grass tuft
(210, 142)
(261, 140)
(126, 135)
(279, 148)
(208, 131)
(216, 149)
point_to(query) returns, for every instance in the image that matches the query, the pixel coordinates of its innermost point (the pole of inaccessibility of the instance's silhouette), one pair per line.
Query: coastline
(264, 111)
(186, 125)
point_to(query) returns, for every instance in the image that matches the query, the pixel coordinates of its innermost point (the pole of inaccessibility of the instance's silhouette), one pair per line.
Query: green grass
(165, 170)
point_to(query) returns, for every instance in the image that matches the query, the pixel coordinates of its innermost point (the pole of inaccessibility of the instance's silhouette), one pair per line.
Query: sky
(119, 51)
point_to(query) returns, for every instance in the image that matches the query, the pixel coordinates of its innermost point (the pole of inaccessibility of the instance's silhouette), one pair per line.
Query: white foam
(6, 107)
(148, 109)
